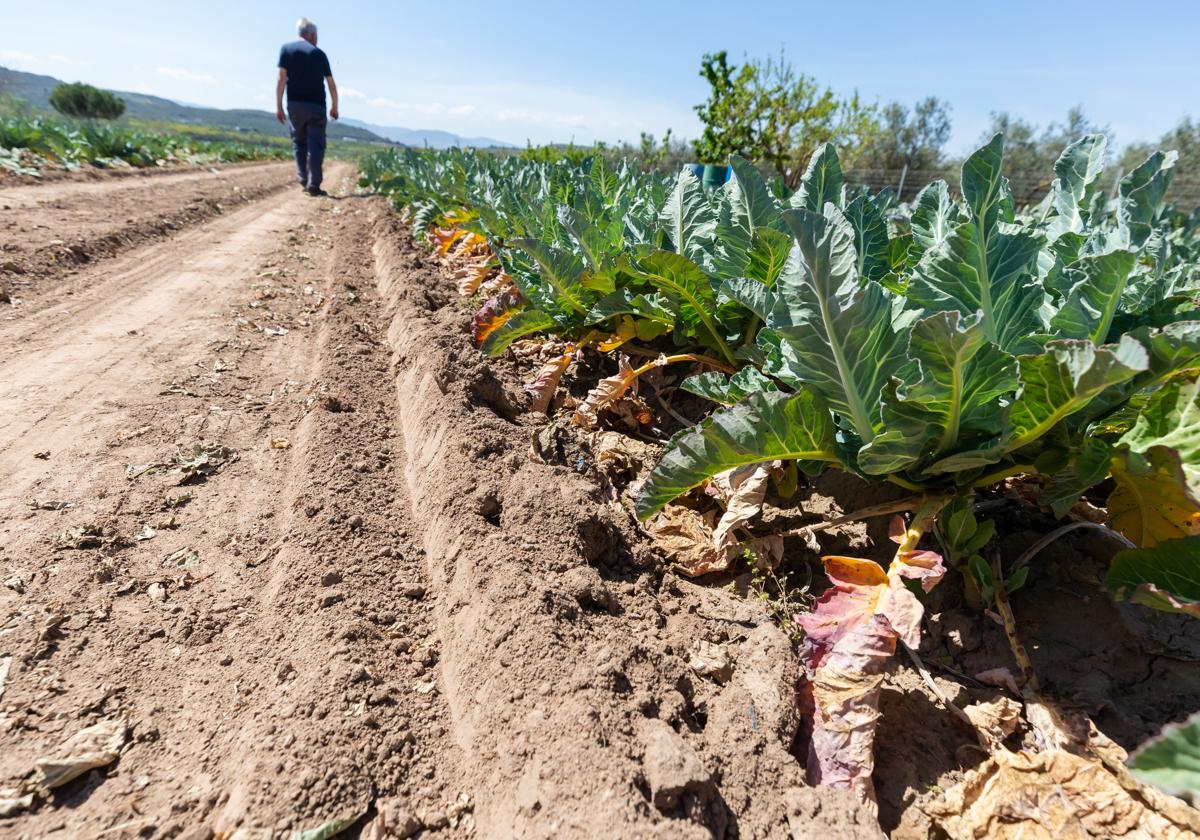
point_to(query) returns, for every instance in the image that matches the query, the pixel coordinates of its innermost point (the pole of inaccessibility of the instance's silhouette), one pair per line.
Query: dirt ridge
(566, 653)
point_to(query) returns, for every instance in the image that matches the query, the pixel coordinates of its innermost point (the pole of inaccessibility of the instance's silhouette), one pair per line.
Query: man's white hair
(305, 26)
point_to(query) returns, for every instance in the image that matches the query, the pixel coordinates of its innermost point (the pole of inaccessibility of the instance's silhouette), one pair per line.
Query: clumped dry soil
(379, 593)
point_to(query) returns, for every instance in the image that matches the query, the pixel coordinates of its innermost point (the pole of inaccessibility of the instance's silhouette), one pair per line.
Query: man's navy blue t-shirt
(306, 68)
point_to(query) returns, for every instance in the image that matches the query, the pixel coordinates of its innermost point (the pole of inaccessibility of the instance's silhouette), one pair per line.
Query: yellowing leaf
(444, 240)
(854, 571)
(626, 331)
(493, 314)
(1152, 501)
(469, 277)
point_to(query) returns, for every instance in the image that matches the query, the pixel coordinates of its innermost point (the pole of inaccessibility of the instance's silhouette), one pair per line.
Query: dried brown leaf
(545, 384)
(742, 489)
(86, 750)
(686, 537)
(611, 388)
(995, 719)
(1056, 795)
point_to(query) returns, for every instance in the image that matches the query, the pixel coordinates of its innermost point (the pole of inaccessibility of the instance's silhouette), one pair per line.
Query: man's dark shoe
(315, 191)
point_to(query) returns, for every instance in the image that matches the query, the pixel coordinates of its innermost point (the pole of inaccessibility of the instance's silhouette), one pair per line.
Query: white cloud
(390, 104)
(38, 63)
(539, 117)
(185, 75)
(426, 108)
(351, 93)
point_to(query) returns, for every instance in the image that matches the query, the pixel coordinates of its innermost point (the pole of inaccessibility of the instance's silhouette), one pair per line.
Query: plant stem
(683, 357)
(924, 518)
(1028, 682)
(1001, 474)
(1032, 551)
(937, 692)
(898, 506)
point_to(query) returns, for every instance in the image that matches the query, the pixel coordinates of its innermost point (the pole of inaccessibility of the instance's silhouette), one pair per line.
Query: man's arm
(333, 111)
(279, 88)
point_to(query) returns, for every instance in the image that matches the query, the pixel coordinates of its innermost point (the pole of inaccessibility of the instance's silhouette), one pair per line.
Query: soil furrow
(282, 675)
(49, 232)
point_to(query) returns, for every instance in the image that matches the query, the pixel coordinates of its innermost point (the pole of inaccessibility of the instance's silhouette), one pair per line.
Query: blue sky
(558, 71)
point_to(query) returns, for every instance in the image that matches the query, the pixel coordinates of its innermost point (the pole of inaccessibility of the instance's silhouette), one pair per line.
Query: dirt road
(255, 632)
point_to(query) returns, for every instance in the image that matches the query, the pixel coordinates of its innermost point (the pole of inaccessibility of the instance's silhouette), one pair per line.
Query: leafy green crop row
(942, 346)
(27, 144)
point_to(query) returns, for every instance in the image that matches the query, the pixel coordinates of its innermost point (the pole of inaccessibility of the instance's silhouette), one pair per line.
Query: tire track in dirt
(288, 675)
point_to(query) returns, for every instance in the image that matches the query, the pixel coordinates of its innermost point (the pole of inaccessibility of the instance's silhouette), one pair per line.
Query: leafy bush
(76, 99)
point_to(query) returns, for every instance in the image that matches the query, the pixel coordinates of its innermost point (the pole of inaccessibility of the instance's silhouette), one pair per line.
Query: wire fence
(1027, 188)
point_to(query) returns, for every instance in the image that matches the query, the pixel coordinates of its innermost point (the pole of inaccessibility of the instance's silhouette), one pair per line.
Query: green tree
(1185, 139)
(1029, 156)
(912, 138)
(77, 99)
(768, 112)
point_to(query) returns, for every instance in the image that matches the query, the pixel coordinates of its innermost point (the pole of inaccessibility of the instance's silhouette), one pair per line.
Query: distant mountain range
(35, 89)
(431, 137)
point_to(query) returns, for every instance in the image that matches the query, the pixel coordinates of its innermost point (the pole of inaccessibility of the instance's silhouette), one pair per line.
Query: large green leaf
(822, 182)
(594, 242)
(688, 217)
(935, 217)
(1143, 193)
(1063, 379)
(1172, 419)
(1171, 760)
(746, 204)
(1174, 348)
(1077, 169)
(981, 267)
(828, 332)
(690, 292)
(870, 239)
(523, 323)
(728, 390)
(1087, 468)
(561, 270)
(1165, 577)
(768, 256)
(960, 383)
(764, 427)
(1097, 283)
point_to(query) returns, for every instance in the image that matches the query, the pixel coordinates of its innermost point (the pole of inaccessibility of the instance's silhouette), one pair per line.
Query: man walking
(304, 72)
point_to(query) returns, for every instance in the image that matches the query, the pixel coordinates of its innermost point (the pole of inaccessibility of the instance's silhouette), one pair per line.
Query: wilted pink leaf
(999, 677)
(849, 637)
